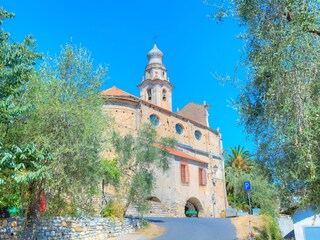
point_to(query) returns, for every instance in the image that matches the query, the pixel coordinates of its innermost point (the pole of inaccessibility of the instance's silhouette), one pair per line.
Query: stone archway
(156, 208)
(193, 207)
(153, 199)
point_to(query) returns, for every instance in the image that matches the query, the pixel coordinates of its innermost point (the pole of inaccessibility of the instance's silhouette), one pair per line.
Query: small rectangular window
(202, 177)
(149, 94)
(184, 171)
(164, 95)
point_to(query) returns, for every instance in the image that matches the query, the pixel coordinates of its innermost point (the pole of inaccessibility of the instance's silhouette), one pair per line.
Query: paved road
(196, 228)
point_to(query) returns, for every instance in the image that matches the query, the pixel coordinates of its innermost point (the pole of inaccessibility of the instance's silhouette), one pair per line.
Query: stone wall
(161, 209)
(70, 228)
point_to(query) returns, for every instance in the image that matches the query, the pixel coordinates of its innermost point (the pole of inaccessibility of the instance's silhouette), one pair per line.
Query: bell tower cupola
(155, 86)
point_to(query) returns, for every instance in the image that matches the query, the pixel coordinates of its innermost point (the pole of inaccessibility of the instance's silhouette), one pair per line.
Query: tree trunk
(33, 212)
(126, 208)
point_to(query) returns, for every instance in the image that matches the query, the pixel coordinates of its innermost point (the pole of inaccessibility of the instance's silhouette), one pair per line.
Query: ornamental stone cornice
(155, 82)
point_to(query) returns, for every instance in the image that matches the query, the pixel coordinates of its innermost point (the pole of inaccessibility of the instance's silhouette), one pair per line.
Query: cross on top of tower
(155, 38)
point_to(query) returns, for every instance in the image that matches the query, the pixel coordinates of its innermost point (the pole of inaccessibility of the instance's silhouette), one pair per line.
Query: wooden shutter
(184, 172)
(202, 177)
(187, 174)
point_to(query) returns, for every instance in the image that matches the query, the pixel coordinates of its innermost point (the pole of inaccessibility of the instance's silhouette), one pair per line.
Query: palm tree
(238, 158)
(238, 161)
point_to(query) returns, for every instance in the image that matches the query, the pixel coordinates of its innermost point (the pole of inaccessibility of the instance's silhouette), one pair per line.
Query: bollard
(251, 235)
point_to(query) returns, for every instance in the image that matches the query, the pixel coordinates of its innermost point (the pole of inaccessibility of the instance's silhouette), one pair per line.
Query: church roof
(181, 154)
(114, 91)
(195, 112)
(192, 111)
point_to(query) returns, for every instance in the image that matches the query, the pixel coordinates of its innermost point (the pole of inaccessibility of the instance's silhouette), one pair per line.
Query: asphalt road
(196, 228)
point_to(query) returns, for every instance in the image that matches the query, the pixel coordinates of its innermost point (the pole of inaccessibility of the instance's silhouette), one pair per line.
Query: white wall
(305, 218)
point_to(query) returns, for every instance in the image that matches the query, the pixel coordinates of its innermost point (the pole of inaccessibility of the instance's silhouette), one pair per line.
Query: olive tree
(279, 99)
(137, 158)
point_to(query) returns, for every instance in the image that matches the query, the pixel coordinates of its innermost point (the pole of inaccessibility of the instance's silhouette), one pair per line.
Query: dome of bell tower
(155, 86)
(155, 55)
(155, 69)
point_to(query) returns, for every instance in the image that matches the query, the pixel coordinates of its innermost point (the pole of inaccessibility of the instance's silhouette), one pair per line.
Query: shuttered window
(202, 177)
(184, 171)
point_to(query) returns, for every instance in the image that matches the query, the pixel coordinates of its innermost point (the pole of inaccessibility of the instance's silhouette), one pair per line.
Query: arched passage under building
(193, 207)
(156, 207)
(153, 199)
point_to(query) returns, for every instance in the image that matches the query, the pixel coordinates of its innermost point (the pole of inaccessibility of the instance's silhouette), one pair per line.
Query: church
(195, 181)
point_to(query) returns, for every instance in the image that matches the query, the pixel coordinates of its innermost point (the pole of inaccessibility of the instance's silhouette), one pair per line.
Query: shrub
(114, 209)
(269, 231)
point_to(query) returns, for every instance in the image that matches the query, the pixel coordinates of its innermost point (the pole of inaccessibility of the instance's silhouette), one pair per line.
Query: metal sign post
(249, 202)
(247, 188)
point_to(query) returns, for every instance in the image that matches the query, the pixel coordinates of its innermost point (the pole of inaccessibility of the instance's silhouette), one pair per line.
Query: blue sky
(120, 34)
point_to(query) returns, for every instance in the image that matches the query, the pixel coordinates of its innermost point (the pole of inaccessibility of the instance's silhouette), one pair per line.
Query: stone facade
(196, 175)
(70, 228)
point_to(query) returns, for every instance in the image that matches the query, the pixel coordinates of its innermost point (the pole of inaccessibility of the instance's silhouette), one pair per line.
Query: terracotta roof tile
(114, 91)
(181, 154)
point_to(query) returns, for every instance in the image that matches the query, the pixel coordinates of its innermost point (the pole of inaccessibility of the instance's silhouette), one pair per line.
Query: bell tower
(155, 86)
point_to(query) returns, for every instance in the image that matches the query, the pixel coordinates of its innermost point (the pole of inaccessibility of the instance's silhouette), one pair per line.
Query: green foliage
(111, 171)
(16, 66)
(238, 171)
(22, 162)
(279, 101)
(238, 158)
(263, 194)
(50, 128)
(25, 164)
(143, 183)
(269, 231)
(138, 157)
(58, 139)
(67, 117)
(10, 195)
(114, 209)
(19, 163)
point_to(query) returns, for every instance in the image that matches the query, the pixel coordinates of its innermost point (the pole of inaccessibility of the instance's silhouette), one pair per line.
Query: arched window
(164, 95)
(179, 128)
(149, 94)
(197, 135)
(154, 119)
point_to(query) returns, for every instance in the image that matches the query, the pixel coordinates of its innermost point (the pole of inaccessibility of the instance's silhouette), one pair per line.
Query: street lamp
(215, 169)
(214, 182)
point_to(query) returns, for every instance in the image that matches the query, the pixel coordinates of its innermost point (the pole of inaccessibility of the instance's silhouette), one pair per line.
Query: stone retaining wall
(70, 228)
(159, 209)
